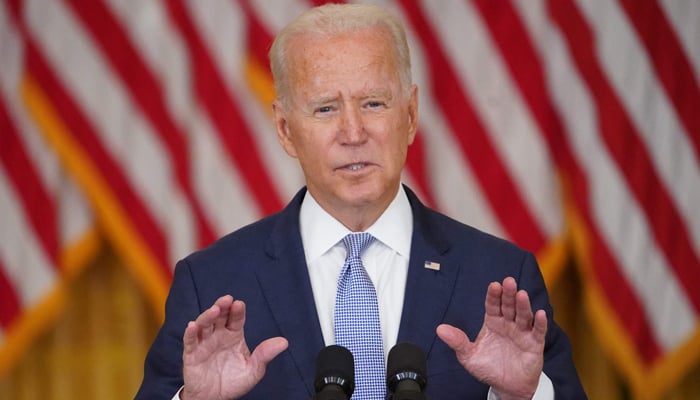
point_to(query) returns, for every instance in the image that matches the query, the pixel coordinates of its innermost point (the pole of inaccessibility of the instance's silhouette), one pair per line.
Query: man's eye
(325, 109)
(374, 104)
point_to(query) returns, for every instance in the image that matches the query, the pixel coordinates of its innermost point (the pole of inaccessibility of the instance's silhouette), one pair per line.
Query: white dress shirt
(386, 262)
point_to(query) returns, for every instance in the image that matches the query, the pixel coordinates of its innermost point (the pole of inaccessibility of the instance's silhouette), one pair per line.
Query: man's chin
(352, 195)
(360, 194)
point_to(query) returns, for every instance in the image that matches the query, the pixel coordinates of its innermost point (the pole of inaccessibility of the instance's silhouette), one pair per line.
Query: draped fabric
(570, 127)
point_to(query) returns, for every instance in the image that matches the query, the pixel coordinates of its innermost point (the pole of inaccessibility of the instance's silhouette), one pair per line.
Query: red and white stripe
(47, 227)
(562, 125)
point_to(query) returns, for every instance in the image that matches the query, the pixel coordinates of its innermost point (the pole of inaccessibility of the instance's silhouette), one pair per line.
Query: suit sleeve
(162, 376)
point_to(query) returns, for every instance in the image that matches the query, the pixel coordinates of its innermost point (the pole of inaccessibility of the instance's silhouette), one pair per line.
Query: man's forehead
(328, 60)
(323, 68)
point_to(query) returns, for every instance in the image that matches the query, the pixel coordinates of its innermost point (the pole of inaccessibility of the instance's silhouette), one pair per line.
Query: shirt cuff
(177, 395)
(545, 390)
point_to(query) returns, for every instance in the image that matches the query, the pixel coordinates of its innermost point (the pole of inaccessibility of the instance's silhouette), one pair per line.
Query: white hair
(332, 20)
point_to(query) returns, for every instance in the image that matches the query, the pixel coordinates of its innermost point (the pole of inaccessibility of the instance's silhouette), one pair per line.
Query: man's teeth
(355, 167)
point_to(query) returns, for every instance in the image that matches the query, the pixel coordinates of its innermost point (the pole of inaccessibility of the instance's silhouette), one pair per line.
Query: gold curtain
(96, 348)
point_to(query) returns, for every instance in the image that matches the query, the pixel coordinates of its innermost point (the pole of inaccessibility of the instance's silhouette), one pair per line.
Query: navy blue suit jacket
(263, 264)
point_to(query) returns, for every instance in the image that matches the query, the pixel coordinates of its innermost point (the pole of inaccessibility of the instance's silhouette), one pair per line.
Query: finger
(455, 338)
(236, 317)
(523, 311)
(207, 320)
(508, 298)
(224, 303)
(492, 304)
(189, 339)
(540, 325)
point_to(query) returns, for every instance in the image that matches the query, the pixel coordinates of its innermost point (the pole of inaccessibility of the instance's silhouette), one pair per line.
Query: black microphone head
(406, 362)
(335, 366)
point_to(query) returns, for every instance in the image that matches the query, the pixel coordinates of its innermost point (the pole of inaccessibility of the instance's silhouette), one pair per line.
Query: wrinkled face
(347, 119)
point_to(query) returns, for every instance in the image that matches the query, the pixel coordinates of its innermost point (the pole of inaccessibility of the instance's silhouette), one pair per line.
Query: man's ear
(412, 113)
(279, 116)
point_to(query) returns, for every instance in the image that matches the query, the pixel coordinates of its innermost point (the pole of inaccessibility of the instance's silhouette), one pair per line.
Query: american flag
(571, 127)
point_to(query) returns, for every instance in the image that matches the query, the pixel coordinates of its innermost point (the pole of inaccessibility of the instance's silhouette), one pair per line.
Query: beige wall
(96, 348)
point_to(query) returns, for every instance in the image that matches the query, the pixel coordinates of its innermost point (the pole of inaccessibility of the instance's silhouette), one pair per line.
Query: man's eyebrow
(383, 93)
(322, 100)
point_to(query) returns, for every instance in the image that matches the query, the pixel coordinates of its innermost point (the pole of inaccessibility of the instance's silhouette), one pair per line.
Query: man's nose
(352, 128)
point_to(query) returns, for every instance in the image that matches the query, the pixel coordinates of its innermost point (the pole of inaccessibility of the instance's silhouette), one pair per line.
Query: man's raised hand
(508, 353)
(217, 363)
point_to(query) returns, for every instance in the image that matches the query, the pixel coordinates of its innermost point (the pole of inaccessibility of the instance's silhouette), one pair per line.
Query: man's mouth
(356, 167)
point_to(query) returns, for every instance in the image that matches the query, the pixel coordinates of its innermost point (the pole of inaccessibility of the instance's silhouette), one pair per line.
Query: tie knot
(356, 243)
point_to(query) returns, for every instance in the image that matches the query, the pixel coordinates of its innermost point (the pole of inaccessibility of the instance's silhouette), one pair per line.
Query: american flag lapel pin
(432, 265)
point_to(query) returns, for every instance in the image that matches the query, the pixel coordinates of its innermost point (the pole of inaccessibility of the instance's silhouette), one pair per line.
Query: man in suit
(347, 110)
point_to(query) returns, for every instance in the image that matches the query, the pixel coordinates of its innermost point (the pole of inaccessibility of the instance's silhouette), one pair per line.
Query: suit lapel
(287, 289)
(428, 292)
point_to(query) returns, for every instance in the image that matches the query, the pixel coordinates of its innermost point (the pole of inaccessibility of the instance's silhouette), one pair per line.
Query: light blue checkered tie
(357, 324)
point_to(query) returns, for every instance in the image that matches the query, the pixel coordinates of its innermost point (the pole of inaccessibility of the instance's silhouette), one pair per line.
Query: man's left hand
(508, 353)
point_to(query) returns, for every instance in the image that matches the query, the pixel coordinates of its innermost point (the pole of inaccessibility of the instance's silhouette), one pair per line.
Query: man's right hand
(217, 363)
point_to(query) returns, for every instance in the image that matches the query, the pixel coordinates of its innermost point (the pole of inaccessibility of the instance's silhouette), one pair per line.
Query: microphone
(335, 374)
(406, 375)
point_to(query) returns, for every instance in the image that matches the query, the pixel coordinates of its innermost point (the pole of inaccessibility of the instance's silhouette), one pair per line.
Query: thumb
(455, 338)
(268, 349)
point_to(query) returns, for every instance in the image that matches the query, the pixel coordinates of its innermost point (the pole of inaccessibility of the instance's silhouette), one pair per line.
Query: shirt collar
(320, 231)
